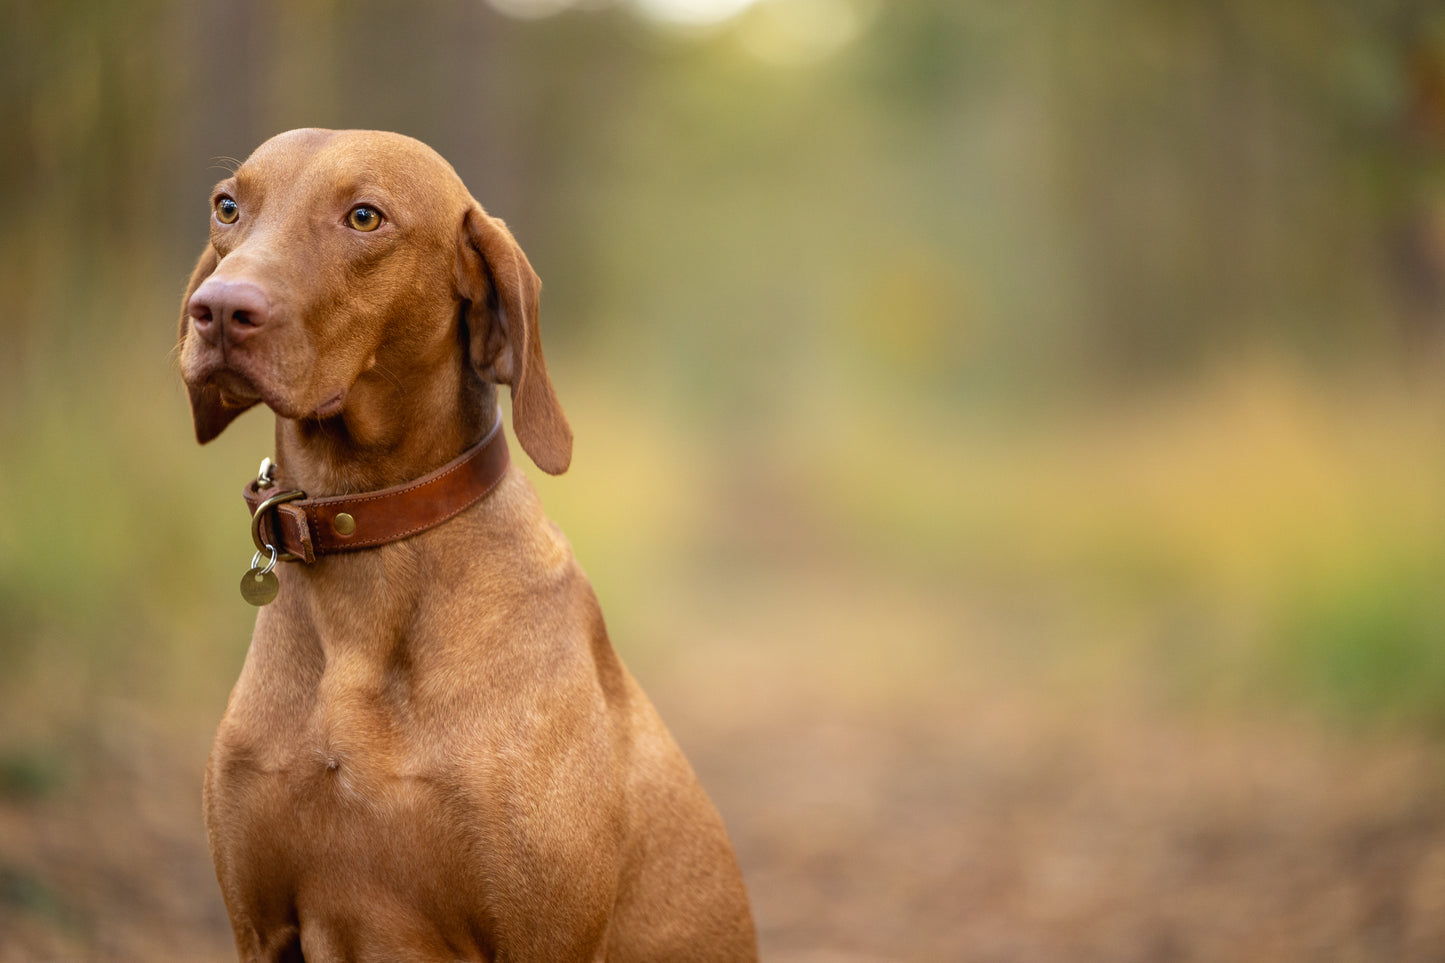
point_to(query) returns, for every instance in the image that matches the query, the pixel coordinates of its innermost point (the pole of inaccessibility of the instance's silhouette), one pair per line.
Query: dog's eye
(227, 210)
(364, 218)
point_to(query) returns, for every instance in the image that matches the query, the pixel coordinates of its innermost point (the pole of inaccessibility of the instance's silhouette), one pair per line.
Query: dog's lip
(331, 406)
(236, 376)
(236, 388)
(240, 389)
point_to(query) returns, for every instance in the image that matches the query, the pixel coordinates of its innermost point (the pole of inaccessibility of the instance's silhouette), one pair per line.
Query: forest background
(1010, 444)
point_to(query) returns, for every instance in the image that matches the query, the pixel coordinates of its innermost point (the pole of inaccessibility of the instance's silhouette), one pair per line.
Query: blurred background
(1010, 445)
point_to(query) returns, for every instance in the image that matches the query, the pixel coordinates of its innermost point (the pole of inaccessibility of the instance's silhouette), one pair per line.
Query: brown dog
(433, 752)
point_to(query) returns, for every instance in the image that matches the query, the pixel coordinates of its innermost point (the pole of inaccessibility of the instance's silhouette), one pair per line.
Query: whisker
(394, 379)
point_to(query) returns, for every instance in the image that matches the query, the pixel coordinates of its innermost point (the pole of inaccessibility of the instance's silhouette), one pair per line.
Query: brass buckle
(261, 509)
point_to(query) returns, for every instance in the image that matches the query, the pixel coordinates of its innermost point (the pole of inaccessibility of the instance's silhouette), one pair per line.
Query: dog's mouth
(240, 389)
(237, 391)
(243, 378)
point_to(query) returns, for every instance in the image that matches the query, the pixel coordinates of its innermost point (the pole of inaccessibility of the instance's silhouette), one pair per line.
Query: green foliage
(30, 774)
(1371, 646)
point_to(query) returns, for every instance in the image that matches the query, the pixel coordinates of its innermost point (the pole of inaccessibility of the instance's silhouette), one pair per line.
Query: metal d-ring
(261, 544)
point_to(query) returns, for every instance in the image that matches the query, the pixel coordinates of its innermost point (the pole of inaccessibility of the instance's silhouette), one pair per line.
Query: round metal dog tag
(259, 587)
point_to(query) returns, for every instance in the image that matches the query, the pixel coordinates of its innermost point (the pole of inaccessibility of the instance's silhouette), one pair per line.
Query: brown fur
(433, 752)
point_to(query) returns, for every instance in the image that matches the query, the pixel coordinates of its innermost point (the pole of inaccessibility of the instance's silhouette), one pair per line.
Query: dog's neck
(388, 433)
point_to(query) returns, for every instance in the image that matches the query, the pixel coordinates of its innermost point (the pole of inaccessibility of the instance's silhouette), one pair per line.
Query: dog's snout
(232, 310)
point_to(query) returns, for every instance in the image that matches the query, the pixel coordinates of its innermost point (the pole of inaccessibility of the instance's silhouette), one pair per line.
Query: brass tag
(258, 587)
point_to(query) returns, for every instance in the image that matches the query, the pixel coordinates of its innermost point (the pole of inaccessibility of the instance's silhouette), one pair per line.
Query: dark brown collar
(304, 528)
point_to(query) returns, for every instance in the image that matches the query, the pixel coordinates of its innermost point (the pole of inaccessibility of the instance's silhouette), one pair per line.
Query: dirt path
(893, 798)
(986, 831)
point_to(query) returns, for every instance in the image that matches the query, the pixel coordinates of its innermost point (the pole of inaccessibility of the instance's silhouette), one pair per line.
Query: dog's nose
(228, 309)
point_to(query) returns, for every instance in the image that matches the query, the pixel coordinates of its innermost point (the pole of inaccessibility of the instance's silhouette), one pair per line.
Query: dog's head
(335, 254)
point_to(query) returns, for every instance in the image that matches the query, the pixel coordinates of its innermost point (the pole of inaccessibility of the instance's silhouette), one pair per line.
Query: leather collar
(302, 528)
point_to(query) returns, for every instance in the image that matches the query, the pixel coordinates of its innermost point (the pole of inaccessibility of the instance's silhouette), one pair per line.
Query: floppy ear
(207, 411)
(503, 292)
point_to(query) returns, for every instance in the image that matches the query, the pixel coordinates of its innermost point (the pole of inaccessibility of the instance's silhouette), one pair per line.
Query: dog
(433, 752)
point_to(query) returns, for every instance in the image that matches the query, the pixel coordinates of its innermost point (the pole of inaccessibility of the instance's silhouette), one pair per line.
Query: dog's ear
(210, 415)
(503, 295)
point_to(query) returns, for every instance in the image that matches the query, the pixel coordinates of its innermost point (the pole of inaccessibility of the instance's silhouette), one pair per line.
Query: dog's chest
(344, 811)
(440, 786)
(351, 763)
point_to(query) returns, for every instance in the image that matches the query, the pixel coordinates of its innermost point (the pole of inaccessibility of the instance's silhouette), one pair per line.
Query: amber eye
(227, 210)
(364, 218)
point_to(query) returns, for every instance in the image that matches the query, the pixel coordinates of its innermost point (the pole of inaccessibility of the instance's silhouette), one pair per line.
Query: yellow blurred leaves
(914, 313)
(800, 32)
(1245, 486)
